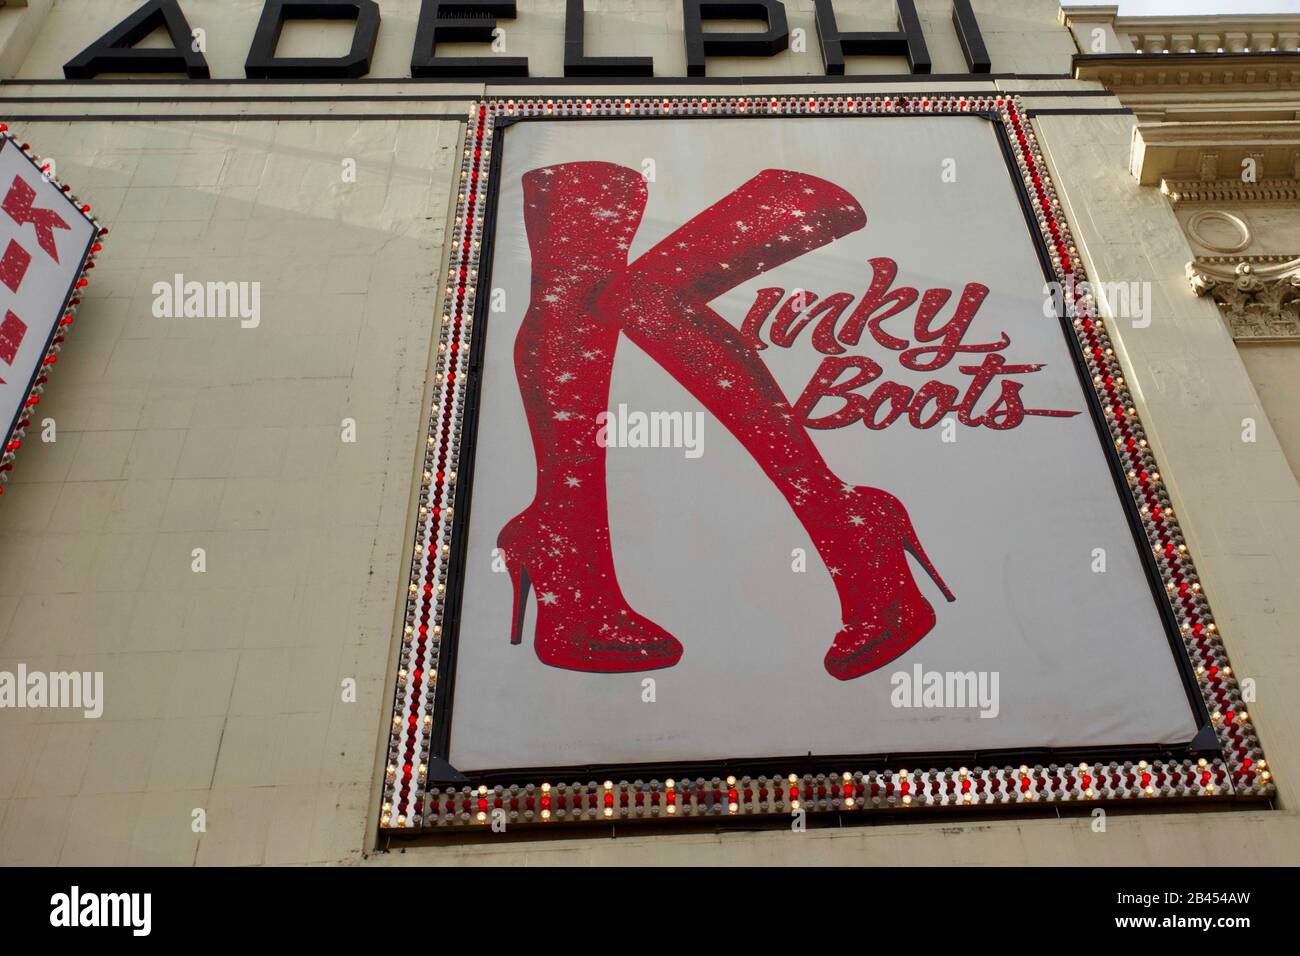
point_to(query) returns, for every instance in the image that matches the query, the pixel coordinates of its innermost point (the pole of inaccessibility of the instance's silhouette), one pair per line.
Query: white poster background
(40, 298)
(704, 547)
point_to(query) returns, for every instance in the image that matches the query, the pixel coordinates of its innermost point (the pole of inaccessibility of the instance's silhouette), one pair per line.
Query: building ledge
(1214, 150)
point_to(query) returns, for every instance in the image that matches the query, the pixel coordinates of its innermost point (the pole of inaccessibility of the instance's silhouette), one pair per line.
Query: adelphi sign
(475, 21)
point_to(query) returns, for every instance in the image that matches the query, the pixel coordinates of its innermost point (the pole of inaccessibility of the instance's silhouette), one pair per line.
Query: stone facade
(228, 687)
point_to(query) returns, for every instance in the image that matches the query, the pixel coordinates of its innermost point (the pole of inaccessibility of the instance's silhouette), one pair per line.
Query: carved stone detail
(1259, 296)
(1209, 166)
(1232, 190)
(1244, 235)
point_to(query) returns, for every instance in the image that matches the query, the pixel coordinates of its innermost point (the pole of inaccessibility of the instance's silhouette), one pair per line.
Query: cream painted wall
(224, 688)
(1275, 370)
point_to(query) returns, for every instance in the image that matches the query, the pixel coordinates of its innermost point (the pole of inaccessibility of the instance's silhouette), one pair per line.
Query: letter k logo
(18, 204)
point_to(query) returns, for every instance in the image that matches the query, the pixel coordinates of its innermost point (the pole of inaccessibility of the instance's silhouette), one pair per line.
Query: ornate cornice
(1231, 190)
(1258, 295)
(1210, 151)
(1219, 52)
(1133, 72)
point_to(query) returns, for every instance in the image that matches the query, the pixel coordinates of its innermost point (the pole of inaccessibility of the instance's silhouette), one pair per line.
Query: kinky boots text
(932, 345)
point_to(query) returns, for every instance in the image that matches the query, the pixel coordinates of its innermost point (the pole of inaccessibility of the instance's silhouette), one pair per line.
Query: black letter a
(115, 51)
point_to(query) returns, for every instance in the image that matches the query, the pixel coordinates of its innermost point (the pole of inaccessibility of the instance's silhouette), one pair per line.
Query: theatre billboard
(773, 455)
(45, 248)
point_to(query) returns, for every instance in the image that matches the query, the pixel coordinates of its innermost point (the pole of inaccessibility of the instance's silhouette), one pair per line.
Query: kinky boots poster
(778, 451)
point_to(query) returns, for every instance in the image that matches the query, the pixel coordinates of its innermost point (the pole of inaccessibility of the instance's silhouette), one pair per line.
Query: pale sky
(1150, 8)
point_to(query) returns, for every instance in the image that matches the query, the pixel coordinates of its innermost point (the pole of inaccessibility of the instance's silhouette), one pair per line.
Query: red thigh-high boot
(580, 218)
(661, 303)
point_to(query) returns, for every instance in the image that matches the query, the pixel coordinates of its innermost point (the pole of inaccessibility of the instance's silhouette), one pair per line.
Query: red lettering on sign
(12, 332)
(14, 266)
(18, 204)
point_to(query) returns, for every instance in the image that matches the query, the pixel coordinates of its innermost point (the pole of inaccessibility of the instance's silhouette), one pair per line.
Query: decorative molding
(1158, 39)
(1181, 35)
(1259, 296)
(1211, 151)
(1208, 167)
(1244, 235)
(1182, 191)
(1187, 72)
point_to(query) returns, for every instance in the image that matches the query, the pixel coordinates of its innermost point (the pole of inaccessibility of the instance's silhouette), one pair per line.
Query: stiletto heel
(522, 587)
(913, 546)
(583, 621)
